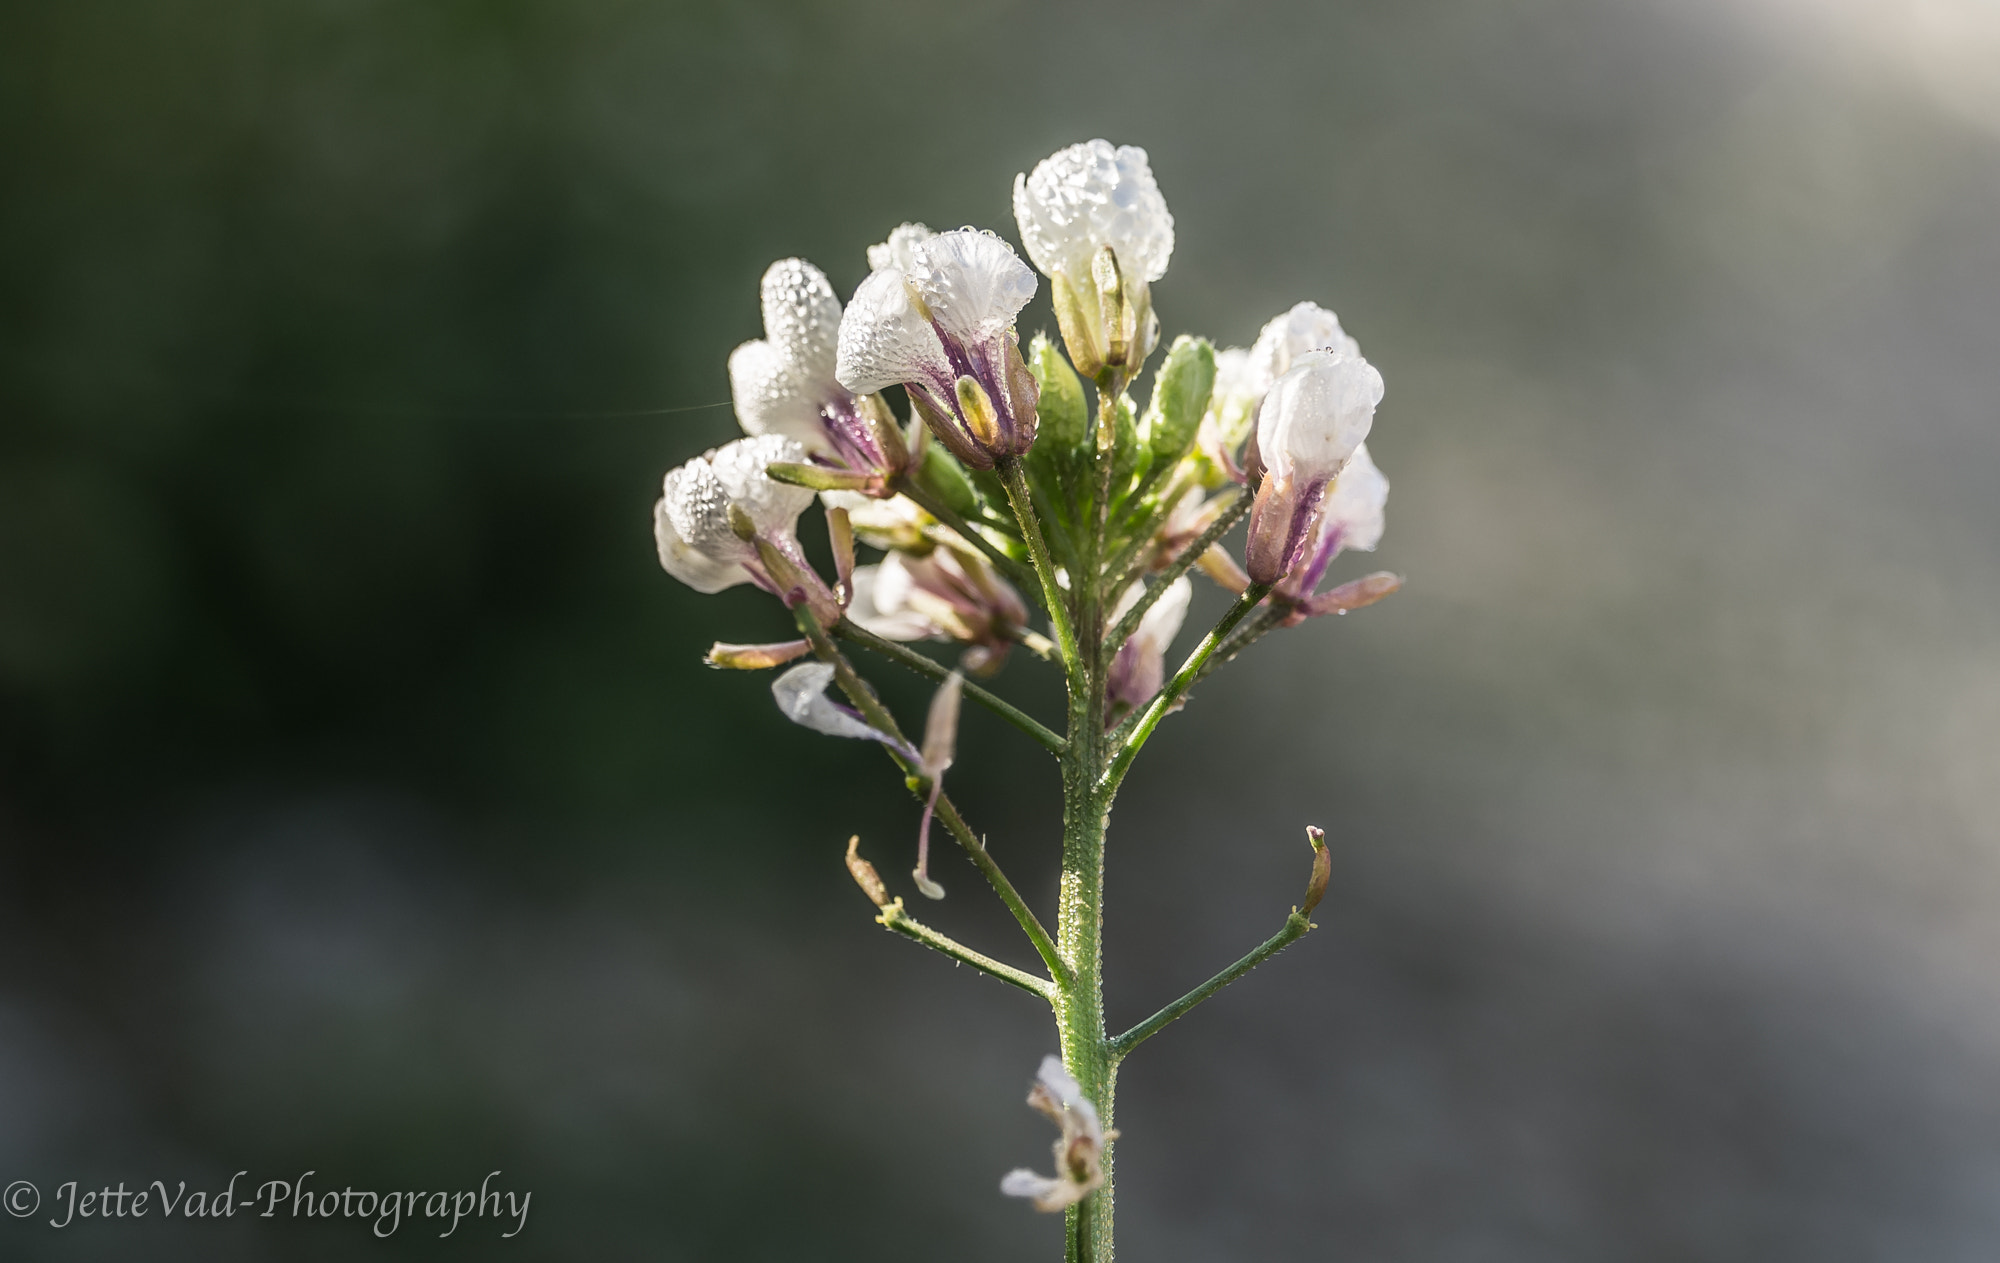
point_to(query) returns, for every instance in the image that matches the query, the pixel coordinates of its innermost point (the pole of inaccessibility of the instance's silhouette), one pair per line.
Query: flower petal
(885, 340)
(898, 251)
(1354, 504)
(681, 560)
(802, 316)
(1306, 327)
(1091, 195)
(773, 396)
(1316, 415)
(973, 283)
(773, 506)
(801, 694)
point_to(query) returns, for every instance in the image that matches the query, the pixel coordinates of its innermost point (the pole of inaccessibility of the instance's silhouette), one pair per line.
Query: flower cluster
(1009, 511)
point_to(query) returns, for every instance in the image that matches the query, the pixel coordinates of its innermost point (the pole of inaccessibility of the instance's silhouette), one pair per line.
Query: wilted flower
(784, 384)
(1141, 664)
(801, 695)
(1079, 1151)
(721, 520)
(950, 593)
(1307, 428)
(944, 327)
(1092, 219)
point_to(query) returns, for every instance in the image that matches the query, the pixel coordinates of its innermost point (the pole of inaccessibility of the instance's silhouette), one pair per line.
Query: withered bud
(864, 874)
(1322, 870)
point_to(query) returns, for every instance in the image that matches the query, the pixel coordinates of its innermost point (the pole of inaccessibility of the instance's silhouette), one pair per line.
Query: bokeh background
(364, 807)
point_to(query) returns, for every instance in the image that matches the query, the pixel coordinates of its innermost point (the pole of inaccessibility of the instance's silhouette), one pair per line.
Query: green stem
(1157, 587)
(1296, 926)
(1016, 482)
(896, 918)
(1163, 702)
(872, 709)
(932, 669)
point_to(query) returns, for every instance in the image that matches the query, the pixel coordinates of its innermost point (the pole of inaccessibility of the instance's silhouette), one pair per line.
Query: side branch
(878, 715)
(1164, 700)
(1296, 926)
(1181, 565)
(931, 669)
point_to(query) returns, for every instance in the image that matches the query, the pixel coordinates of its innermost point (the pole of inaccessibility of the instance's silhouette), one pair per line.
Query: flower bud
(864, 874)
(1092, 219)
(1322, 869)
(728, 657)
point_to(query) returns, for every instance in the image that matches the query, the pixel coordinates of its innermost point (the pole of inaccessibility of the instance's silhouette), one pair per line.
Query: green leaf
(1181, 389)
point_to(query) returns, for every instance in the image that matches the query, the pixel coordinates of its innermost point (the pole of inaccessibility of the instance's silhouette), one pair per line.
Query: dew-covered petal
(773, 396)
(1316, 415)
(696, 505)
(773, 506)
(1091, 195)
(802, 317)
(1306, 327)
(885, 340)
(972, 281)
(898, 251)
(681, 560)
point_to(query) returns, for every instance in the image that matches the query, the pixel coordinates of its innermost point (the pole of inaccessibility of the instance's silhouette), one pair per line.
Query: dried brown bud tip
(864, 874)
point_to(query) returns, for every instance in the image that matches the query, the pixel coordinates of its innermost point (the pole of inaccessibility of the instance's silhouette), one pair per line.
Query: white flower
(1140, 666)
(691, 522)
(1316, 415)
(781, 381)
(1306, 327)
(1308, 427)
(1079, 1152)
(943, 326)
(898, 251)
(784, 382)
(1088, 196)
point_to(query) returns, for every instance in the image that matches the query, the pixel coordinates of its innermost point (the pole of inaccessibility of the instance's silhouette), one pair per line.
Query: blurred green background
(364, 806)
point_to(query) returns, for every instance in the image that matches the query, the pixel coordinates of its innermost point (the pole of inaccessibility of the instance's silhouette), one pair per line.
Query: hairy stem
(1016, 482)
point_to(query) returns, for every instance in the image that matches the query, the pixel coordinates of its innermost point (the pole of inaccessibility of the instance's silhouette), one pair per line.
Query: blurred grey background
(364, 806)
